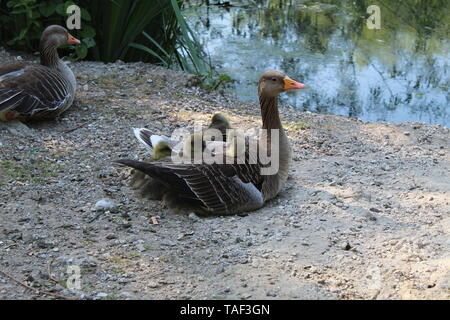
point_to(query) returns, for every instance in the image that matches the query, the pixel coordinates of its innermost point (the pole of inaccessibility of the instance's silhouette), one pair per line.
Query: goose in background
(30, 91)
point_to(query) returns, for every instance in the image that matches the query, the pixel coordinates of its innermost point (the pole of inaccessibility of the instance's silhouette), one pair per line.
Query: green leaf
(81, 51)
(85, 15)
(47, 9)
(60, 9)
(89, 42)
(156, 44)
(148, 50)
(87, 31)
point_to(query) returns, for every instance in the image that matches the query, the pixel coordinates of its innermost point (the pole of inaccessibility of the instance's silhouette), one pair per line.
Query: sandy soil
(365, 214)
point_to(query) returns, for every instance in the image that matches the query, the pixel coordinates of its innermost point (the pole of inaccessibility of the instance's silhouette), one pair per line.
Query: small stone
(224, 291)
(125, 295)
(105, 205)
(140, 247)
(194, 217)
(220, 269)
(271, 294)
(123, 280)
(346, 246)
(168, 243)
(125, 225)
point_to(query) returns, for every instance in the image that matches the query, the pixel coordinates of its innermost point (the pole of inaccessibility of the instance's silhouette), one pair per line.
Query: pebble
(153, 285)
(105, 205)
(346, 246)
(271, 294)
(194, 217)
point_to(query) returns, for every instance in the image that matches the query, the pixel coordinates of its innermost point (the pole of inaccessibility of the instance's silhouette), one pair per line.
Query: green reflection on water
(397, 73)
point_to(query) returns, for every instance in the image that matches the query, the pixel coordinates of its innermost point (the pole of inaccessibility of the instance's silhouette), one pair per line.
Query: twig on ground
(36, 291)
(77, 127)
(49, 269)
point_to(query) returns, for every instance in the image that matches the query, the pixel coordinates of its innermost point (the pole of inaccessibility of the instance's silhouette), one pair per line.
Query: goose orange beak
(72, 40)
(291, 85)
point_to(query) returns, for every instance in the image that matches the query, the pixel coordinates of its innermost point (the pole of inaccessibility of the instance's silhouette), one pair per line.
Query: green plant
(130, 30)
(25, 20)
(186, 52)
(213, 80)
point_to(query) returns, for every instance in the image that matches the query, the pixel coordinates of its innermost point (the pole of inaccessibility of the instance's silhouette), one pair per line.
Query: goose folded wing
(219, 188)
(29, 90)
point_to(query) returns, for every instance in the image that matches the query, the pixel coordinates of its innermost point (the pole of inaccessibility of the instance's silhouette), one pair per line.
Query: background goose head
(56, 36)
(274, 82)
(53, 37)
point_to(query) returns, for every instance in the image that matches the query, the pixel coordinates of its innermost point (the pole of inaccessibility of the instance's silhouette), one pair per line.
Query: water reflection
(397, 73)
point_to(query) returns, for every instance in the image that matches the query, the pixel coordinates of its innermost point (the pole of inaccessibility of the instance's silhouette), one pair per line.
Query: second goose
(31, 91)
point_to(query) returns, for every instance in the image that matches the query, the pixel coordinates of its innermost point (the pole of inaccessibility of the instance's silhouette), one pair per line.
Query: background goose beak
(290, 85)
(72, 40)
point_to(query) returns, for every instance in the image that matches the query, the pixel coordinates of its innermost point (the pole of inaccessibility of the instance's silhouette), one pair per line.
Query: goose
(31, 91)
(232, 187)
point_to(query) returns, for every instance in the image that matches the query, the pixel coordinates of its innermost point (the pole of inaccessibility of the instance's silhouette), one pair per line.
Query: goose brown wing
(32, 90)
(220, 188)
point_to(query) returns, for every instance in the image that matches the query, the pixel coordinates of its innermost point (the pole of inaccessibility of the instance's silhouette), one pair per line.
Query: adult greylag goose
(31, 91)
(234, 186)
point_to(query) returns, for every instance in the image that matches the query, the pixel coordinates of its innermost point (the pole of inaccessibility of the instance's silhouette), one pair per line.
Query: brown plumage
(38, 91)
(232, 187)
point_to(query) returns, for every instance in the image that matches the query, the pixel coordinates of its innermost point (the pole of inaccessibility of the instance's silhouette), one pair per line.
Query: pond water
(396, 73)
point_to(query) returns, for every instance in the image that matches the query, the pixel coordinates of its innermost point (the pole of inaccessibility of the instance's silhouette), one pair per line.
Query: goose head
(274, 82)
(56, 36)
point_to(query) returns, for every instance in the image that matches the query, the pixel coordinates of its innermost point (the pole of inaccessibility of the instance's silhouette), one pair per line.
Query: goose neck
(270, 113)
(49, 55)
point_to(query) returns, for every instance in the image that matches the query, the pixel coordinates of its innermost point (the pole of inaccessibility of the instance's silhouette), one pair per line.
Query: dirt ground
(365, 214)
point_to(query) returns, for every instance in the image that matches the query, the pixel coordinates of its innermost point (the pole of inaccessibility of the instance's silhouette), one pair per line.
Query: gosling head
(161, 151)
